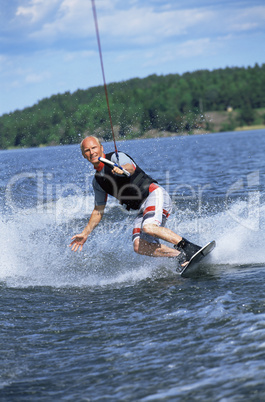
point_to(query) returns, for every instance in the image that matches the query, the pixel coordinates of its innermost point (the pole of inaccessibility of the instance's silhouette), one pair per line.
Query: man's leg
(150, 226)
(168, 235)
(162, 233)
(143, 247)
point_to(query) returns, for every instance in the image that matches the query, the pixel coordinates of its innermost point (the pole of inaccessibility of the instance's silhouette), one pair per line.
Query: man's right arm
(79, 239)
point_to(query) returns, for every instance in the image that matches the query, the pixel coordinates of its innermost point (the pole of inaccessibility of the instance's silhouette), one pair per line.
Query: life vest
(131, 191)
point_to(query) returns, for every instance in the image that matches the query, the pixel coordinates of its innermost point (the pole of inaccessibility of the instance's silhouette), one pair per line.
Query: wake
(35, 248)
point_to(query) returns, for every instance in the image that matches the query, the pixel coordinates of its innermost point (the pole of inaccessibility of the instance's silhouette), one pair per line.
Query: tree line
(172, 103)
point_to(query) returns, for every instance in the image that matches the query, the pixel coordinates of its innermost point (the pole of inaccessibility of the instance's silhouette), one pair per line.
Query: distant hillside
(172, 103)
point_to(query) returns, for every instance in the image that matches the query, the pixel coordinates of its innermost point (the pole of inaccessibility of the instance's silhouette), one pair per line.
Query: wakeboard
(191, 269)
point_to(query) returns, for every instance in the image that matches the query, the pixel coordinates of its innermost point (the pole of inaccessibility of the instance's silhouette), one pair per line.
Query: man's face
(91, 150)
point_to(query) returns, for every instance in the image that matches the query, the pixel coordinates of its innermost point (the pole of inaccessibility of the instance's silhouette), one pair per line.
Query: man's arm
(79, 239)
(129, 167)
(125, 161)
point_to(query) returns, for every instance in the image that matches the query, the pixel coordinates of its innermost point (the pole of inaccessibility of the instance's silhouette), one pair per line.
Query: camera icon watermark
(42, 195)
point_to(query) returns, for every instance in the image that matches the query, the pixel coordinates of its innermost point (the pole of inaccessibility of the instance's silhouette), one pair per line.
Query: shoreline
(154, 134)
(248, 128)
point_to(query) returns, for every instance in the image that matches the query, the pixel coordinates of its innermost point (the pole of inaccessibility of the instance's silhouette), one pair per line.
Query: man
(139, 192)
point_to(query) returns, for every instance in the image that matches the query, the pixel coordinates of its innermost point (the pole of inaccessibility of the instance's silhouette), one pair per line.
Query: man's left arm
(129, 167)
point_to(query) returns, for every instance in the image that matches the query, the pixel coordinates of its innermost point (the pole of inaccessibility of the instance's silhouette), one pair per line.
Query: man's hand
(129, 167)
(78, 241)
(117, 170)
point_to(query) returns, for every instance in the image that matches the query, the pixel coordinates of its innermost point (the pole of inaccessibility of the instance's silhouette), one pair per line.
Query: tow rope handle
(112, 164)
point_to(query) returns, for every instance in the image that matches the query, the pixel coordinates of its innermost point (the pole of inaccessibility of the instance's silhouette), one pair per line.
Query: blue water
(109, 325)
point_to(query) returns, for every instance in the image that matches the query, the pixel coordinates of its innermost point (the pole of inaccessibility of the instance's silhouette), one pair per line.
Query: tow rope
(103, 74)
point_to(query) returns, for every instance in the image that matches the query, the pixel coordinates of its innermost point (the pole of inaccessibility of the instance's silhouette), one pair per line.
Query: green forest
(172, 103)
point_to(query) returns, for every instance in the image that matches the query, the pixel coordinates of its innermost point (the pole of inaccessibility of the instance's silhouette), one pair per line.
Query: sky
(49, 46)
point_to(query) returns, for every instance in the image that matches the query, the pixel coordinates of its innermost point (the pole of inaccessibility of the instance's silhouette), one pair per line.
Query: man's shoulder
(123, 158)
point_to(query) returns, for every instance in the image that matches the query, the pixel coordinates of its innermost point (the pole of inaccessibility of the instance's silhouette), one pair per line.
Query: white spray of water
(35, 248)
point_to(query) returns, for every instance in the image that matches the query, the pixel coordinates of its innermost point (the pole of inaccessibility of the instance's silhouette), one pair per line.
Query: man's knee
(139, 246)
(136, 245)
(143, 247)
(150, 229)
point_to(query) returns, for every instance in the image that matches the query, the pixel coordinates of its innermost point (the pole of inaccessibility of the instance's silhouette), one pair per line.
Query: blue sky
(49, 46)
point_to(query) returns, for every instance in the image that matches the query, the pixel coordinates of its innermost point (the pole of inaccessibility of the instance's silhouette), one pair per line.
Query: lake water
(109, 325)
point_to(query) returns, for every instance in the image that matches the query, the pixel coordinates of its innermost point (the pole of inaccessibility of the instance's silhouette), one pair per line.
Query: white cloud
(179, 51)
(80, 55)
(246, 19)
(18, 73)
(193, 48)
(72, 19)
(144, 26)
(50, 45)
(36, 10)
(3, 60)
(34, 78)
(135, 24)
